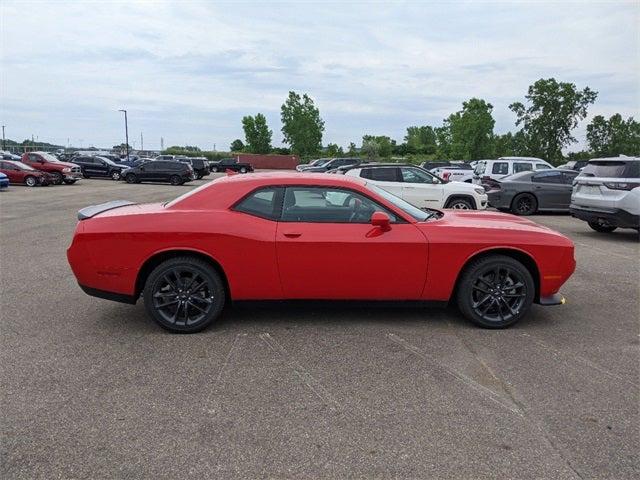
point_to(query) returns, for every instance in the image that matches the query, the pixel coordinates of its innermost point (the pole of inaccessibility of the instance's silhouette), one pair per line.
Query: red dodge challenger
(312, 236)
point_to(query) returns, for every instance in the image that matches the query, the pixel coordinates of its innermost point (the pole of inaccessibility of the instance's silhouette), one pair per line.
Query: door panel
(351, 261)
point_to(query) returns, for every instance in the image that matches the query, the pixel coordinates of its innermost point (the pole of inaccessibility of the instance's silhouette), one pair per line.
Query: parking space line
(578, 358)
(302, 373)
(600, 250)
(223, 367)
(481, 389)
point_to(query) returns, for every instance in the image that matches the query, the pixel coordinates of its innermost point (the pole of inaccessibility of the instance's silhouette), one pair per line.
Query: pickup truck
(230, 164)
(60, 172)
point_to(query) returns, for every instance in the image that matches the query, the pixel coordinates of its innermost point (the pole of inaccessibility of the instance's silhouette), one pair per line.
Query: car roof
(620, 158)
(299, 178)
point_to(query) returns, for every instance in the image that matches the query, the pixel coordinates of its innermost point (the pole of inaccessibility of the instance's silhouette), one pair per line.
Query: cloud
(189, 71)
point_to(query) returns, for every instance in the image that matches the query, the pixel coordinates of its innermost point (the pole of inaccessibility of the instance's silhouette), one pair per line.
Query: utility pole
(3, 137)
(141, 142)
(161, 144)
(126, 132)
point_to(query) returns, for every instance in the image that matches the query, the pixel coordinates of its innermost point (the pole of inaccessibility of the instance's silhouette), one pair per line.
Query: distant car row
(42, 168)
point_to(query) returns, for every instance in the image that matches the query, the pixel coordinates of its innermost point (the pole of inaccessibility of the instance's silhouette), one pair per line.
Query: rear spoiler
(93, 210)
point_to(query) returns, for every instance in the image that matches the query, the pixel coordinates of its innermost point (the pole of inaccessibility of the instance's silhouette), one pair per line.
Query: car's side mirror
(381, 220)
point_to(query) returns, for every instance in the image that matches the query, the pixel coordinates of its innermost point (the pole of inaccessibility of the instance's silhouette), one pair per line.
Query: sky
(188, 71)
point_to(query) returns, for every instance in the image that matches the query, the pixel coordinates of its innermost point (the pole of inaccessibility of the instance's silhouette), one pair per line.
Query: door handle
(292, 234)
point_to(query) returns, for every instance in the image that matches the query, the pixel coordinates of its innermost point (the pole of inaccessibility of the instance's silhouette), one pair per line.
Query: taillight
(621, 185)
(445, 176)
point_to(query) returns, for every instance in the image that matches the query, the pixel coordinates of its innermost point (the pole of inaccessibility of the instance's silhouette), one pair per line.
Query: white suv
(606, 194)
(421, 188)
(487, 170)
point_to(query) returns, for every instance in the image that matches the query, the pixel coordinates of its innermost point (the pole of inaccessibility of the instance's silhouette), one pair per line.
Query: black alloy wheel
(130, 178)
(495, 291)
(57, 178)
(524, 204)
(602, 226)
(175, 180)
(184, 295)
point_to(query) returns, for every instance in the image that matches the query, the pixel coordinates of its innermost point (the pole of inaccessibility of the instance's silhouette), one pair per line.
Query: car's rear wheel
(460, 204)
(495, 291)
(199, 176)
(524, 204)
(175, 180)
(30, 181)
(116, 175)
(57, 178)
(130, 178)
(602, 226)
(243, 170)
(184, 294)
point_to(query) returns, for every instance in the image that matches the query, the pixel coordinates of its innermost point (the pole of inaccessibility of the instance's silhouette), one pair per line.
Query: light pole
(126, 132)
(3, 137)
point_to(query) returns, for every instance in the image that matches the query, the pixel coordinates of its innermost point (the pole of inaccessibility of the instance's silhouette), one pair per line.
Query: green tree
(613, 137)
(471, 130)
(554, 110)
(257, 134)
(443, 141)
(353, 150)
(333, 150)
(237, 145)
(302, 126)
(384, 143)
(370, 148)
(421, 140)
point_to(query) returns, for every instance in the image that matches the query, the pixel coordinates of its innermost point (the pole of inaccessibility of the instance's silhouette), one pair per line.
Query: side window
(568, 177)
(33, 157)
(500, 168)
(548, 177)
(328, 205)
(542, 166)
(522, 167)
(262, 203)
(413, 175)
(387, 174)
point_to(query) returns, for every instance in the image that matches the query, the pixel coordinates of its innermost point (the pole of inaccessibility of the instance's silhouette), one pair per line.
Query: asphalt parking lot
(94, 389)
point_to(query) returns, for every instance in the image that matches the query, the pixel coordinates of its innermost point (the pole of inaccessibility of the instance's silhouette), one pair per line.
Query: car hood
(66, 164)
(460, 187)
(494, 221)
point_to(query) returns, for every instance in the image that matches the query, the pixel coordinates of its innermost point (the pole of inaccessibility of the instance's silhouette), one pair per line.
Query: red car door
(12, 172)
(327, 248)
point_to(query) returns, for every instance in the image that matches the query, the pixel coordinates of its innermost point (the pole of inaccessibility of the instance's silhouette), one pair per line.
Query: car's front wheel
(602, 227)
(57, 178)
(524, 204)
(175, 180)
(130, 178)
(460, 204)
(30, 181)
(495, 291)
(69, 182)
(184, 294)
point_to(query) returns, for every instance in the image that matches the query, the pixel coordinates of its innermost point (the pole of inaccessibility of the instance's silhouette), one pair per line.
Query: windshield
(48, 157)
(107, 161)
(406, 207)
(612, 169)
(320, 162)
(23, 166)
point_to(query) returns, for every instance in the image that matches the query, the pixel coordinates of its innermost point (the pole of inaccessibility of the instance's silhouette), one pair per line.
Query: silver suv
(606, 194)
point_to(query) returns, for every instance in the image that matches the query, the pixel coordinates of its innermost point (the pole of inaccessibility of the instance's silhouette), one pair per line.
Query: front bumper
(555, 299)
(73, 176)
(615, 217)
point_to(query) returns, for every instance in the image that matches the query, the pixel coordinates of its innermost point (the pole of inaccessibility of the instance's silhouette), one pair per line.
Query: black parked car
(99, 167)
(329, 164)
(525, 193)
(176, 173)
(230, 164)
(200, 165)
(575, 164)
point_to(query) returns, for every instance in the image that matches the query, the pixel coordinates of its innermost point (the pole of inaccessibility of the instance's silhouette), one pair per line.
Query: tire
(116, 175)
(495, 291)
(524, 204)
(175, 304)
(199, 176)
(175, 180)
(57, 178)
(131, 178)
(30, 181)
(243, 170)
(69, 182)
(602, 227)
(458, 203)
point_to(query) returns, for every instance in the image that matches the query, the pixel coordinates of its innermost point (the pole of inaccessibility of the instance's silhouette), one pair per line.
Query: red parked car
(66, 172)
(18, 172)
(312, 236)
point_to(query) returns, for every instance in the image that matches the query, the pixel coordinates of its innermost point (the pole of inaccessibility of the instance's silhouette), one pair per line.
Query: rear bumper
(116, 297)
(613, 216)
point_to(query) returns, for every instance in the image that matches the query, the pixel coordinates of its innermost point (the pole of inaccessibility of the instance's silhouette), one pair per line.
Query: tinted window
(262, 203)
(522, 167)
(499, 168)
(414, 175)
(542, 166)
(612, 169)
(328, 205)
(569, 177)
(548, 177)
(389, 174)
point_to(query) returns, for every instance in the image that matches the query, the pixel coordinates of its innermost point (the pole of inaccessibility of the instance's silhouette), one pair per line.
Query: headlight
(66, 170)
(480, 191)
